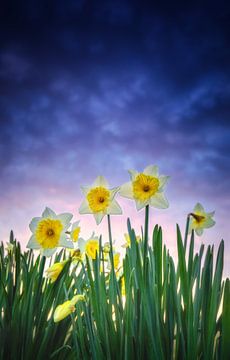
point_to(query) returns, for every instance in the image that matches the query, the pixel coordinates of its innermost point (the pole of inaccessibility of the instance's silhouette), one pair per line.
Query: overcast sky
(89, 88)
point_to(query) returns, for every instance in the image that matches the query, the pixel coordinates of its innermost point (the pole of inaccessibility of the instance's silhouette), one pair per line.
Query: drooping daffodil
(146, 188)
(90, 246)
(49, 232)
(200, 220)
(54, 271)
(100, 200)
(68, 307)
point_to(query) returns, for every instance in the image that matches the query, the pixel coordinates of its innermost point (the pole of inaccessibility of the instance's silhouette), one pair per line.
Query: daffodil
(75, 230)
(100, 200)
(146, 188)
(200, 220)
(128, 241)
(67, 308)
(49, 232)
(54, 271)
(116, 261)
(90, 246)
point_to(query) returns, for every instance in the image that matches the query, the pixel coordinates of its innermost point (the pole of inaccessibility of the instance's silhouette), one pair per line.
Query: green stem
(146, 235)
(186, 232)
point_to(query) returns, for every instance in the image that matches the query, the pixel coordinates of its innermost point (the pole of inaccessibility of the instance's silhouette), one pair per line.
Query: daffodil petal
(48, 252)
(81, 244)
(113, 192)
(133, 174)
(199, 231)
(65, 218)
(98, 217)
(49, 213)
(209, 223)
(34, 222)
(198, 208)
(33, 244)
(114, 208)
(65, 243)
(84, 208)
(140, 204)
(151, 170)
(126, 190)
(159, 201)
(85, 189)
(101, 181)
(163, 181)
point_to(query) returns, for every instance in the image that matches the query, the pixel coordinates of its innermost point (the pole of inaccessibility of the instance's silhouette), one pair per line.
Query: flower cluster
(51, 231)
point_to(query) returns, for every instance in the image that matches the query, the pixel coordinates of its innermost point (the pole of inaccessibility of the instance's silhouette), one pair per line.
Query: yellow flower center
(75, 234)
(98, 199)
(91, 248)
(48, 233)
(145, 186)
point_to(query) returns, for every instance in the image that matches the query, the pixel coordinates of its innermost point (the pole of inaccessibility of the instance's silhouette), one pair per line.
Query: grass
(170, 311)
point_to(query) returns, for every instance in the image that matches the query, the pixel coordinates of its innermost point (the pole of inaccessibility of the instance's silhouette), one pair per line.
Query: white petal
(65, 218)
(34, 223)
(141, 204)
(209, 223)
(211, 214)
(98, 217)
(48, 213)
(126, 190)
(151, 170)
(85, 189)
(199, 231)
(113, 192)
(159, 201)
(114, 208)
(163, 181)
(100, 181)
(75, 225)
(81, 244)
(198, 208)
(84, 208)
(133, 174)
(65, 243)
(33, 244)
(48, 252)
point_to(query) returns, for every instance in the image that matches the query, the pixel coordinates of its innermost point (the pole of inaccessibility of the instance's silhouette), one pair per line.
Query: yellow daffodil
(128, 241)
(99, 200)
(116, 261)
(146, 188)
(68, 307)
(75, 230)
(54, 271)
(90, 247)
(49, 232)
(200, 220)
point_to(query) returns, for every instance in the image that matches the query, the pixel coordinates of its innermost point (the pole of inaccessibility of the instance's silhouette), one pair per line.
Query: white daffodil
(200, 220)
(99, 200)
(146, 188)
(75, 230)
(49, 232)
(89, 247)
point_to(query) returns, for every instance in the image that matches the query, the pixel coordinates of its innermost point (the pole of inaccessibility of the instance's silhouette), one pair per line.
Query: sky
(97, 88)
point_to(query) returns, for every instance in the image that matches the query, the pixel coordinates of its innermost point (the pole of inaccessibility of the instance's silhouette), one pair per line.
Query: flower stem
(186, 232)
(110, 243)
(146, 234)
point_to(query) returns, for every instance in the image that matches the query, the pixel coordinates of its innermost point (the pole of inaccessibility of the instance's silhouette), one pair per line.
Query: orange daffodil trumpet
(200, 220)
(146, 188)
(100, 200)
(49, 232)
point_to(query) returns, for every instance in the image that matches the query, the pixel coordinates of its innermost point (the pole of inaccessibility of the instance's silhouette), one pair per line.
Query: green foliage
(168, 312)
